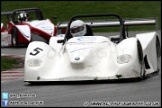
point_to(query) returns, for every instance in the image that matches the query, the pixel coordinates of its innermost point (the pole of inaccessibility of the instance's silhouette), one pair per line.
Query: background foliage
(66, 9)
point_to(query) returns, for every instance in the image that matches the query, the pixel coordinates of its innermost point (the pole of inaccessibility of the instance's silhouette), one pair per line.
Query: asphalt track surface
(81, 94)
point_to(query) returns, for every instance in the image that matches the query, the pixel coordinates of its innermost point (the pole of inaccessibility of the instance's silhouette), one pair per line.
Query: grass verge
(8, 63)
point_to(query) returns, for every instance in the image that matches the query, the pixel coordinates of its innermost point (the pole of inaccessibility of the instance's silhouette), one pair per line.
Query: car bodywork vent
(147, 66)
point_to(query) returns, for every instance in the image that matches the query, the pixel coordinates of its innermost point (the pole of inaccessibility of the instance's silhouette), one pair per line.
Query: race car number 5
(36, 51)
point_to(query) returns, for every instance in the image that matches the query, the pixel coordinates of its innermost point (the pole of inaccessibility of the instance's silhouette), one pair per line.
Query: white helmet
(22, 16)
(78, 28)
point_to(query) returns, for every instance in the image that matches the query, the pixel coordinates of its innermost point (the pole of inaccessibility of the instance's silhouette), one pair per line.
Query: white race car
(94, 57)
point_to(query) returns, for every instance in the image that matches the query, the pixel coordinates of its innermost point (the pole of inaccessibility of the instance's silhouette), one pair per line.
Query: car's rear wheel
(14, 37)
(141, 61)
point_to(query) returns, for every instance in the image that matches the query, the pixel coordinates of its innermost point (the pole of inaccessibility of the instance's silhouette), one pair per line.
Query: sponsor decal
(27, 36)
(84, 38)
(46, 28)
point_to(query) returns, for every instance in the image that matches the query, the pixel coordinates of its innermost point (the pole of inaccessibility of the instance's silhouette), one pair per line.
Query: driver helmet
(23, 17)
(78, 28)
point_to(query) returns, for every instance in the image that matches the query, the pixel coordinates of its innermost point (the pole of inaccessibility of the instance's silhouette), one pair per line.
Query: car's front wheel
(14, 37)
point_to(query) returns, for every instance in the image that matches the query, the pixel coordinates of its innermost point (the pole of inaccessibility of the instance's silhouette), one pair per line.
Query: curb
(12, 74)
(13, 56)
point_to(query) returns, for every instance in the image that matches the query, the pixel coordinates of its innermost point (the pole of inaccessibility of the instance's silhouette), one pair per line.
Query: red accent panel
(55, 31)
(2, 29)
(63, 31)
(21, 38)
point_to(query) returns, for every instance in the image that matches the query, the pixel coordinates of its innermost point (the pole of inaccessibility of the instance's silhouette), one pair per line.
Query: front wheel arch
(141, 60)
(158, 52)
(158, 49)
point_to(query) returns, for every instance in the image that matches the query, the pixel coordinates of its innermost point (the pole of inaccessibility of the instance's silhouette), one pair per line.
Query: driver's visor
(76, 29)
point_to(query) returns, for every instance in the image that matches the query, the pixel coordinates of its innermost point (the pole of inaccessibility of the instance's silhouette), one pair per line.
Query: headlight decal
(124, 58)
(34, 62)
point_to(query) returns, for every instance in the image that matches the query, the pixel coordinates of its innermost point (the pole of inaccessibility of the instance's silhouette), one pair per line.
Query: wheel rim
(14, 41)
(143, 71)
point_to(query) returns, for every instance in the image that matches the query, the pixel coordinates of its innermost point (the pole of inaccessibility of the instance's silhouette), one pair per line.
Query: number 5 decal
(36, 51)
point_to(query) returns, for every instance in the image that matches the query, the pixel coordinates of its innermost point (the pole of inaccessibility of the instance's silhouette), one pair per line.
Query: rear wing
(114, 23)
(7, 14)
